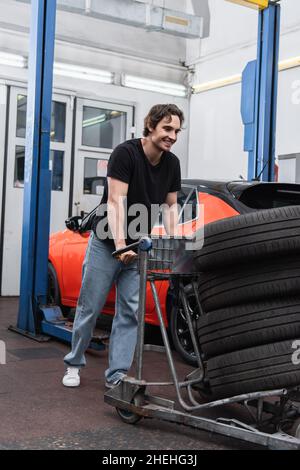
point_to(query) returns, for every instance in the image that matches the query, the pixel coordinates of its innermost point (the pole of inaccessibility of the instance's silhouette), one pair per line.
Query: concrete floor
(37, 412)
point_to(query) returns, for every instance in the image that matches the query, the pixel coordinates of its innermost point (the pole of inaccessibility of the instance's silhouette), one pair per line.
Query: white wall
(90, 42)
(216, 131)
(216, 136)
(85, 41)
(142, 100)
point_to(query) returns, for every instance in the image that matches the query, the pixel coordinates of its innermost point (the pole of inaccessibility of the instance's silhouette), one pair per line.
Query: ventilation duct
(138, 14)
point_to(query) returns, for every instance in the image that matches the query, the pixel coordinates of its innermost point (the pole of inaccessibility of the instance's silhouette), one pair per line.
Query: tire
(267, 367)
(180, 334)
(260, 281)
(256, 235)
(245, 326)
(53, 294)
(128, 417)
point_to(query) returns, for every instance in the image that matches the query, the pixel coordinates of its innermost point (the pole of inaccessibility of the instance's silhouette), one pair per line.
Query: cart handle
(144, 244)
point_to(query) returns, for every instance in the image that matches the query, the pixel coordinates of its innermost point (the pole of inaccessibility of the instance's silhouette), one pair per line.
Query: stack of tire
(250, 294)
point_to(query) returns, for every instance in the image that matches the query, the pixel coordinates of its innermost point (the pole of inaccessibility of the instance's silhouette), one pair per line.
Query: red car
(209, 201)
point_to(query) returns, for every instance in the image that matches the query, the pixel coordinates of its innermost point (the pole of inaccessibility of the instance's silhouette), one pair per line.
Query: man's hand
(127, 257)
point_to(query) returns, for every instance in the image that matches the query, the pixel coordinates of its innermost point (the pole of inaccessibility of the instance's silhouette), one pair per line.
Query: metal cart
(268, 411)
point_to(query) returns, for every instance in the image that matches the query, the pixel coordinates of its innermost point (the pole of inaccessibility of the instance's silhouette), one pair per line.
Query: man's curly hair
(159, 112)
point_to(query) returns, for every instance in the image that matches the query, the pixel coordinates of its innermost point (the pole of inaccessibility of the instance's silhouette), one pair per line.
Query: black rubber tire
(245, 326)
(128, 417)
(260, 281)
(267, 367)
(180, 335)
(255, 235)
(53, 294)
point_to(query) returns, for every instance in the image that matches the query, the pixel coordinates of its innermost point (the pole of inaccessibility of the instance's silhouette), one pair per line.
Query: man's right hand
(127, 257)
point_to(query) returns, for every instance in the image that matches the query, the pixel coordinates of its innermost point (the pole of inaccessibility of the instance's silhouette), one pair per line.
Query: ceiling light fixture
(83, 73)
(289, 63)
(157, 86)
(214, 84)
(13, 60)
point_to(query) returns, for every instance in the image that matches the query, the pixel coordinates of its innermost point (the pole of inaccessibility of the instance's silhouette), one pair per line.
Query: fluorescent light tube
(12, 60)
(158, 86)
(83, 73)
(289, 63)
(214, 84)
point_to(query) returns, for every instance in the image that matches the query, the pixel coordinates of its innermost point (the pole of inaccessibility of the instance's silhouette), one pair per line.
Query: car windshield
(266, 195)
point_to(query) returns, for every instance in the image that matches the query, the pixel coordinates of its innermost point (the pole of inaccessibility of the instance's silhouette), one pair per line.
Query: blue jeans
(100, 271)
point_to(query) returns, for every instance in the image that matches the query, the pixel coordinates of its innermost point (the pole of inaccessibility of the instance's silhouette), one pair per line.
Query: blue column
(37, 176)
(261, 85)
(267, 109)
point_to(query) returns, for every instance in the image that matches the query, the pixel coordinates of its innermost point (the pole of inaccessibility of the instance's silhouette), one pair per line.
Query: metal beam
(259, 98)
(37, 176)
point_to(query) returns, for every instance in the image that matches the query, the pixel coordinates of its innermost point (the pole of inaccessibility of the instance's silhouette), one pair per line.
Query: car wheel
(53, 293)
(268, 367)
(179, 331)
(254, 236)
(245, 326)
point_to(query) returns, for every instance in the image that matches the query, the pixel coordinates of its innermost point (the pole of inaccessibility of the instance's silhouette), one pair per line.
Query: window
(95, 172)
(58, 119)
(57, 135)
(19, 167)
(56, 165)
(21, 116)
(103, 128)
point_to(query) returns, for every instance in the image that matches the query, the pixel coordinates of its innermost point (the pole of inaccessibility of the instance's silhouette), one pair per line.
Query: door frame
(11, 142)
(96, 153)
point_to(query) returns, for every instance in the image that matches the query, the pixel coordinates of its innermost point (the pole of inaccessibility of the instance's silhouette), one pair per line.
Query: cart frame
(132, 401)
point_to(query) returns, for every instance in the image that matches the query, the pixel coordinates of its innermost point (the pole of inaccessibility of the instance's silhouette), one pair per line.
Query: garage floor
(37, 412)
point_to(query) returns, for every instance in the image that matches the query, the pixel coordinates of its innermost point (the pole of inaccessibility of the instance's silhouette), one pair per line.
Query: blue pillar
(260, 84)
(37, 176)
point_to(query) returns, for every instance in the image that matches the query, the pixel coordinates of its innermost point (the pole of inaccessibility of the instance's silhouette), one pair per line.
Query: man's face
(165, 134)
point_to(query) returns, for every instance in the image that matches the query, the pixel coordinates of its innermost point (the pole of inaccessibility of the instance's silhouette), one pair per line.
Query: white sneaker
(71, 377)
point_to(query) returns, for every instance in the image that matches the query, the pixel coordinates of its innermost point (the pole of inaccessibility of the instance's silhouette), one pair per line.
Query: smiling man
(142, 175)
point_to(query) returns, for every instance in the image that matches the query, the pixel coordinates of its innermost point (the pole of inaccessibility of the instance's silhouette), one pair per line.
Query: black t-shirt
(148, 185)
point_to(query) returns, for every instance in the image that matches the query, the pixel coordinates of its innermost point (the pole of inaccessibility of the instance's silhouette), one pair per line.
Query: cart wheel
(128, 416)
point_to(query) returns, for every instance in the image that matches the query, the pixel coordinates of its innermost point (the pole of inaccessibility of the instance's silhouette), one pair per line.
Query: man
(144, 172)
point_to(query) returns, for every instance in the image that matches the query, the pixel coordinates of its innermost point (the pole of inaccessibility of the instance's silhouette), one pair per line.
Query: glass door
(100, 128)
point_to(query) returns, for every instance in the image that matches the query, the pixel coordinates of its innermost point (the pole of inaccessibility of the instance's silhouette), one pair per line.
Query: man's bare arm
(170, 214)
(117, 193)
